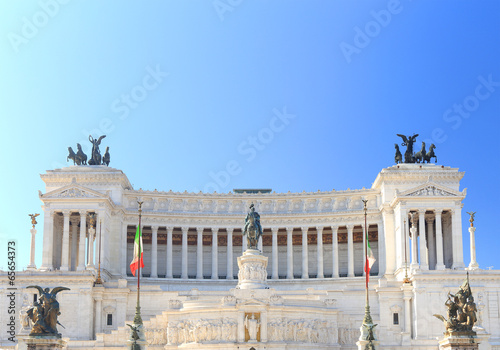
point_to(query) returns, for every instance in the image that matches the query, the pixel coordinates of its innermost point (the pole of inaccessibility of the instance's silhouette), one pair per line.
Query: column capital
(275, 230)
(184, 229)
(169, 229)
(319, 229)
(215, 230)
(334, 227)
(66, 212)
(154, 228)
(304, 229)
(83, 212)
(289, 229)
(230, 230)
(199, 230)
(349, 227)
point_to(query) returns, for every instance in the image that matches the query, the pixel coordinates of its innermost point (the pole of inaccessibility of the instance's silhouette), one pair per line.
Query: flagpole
(406, 279)
(367, 273)
(137, 317)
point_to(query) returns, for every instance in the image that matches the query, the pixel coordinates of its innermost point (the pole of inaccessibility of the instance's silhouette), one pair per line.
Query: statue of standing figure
(253, 229)
(96, 154)
(408, 142)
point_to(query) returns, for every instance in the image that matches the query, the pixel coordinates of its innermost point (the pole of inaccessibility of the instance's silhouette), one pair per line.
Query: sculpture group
(44, 312)
(461, 311)
(409, 157)
(80, 158)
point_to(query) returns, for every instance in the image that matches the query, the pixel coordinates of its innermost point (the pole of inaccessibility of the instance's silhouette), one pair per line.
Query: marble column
(48, 239)
(424, 255)
(275, 252)
(456, 236)
(350, 251)
(81, 245)
(381, 249)
(335, 252)
(199, 253)
(154, 251)
(305, 253)
(319, 230)
(65, 242)
(215, 254)
(289, 253)
(414, 245)
(74, 243)
(439, 241)
(473, 265)
(184, 273)
(431, 242)
(32, 265)
(124, 260)
(229, 273)
(169, 252)
(90, 249)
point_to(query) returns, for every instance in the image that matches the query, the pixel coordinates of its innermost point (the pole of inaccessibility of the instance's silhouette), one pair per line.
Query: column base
(458, 266)
(424, 267)
(473, 266)
(31, 267)
(440, 267)
(64, 268)
(90, 267)
(80, 268)
(46, 268)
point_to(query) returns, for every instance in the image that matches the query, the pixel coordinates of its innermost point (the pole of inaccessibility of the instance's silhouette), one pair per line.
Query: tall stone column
(456, 234)
(381, 249)
(350, 251)
(215, 254)
(65, 241)
(275, 253)
(439, 241)
(431, 242)
(90, 249)
(335, 252)
(414, 244)
(81, 245)
(319, 230)
(154, 251)
(424, 256)
(169, 252)
(305, 253)
(473, 265)
(229, 273)
(74, 244)
(98, 313)
(48, 239)
(184, 273)
(32, 265)
(123, 237)
(289, 253)
(199, 253)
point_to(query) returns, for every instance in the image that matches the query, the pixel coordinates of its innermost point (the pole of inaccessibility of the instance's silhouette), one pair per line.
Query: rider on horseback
(253, 229)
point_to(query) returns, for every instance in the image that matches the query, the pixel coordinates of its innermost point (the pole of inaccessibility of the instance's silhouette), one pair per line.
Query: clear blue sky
(182, 88)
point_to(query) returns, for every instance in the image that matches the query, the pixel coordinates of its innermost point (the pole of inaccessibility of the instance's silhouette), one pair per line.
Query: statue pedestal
(457, 342)
(252, 272)
(363, 343)
(38, 342)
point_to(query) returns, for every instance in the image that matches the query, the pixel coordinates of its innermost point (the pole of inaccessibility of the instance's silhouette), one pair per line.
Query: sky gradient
(300, 95)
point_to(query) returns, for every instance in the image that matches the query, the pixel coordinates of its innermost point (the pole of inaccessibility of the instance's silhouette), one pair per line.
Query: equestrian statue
(253, 229)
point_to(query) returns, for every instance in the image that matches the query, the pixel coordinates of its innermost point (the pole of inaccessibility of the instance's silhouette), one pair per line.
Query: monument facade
(297, 281)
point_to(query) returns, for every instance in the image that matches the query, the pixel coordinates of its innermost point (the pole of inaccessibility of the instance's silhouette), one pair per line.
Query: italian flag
(370, 260)
(134, 265)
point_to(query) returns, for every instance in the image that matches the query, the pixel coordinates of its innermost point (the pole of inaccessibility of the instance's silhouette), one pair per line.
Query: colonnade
(294, 236)
(69, 240)
(436, 240)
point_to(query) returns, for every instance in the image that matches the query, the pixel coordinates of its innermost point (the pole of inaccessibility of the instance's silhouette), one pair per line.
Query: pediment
(430, 189)
(252, 302)
(73, 191)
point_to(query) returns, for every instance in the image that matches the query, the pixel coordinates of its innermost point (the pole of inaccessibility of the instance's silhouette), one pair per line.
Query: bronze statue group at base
(461, 312)
(80, 158)
(409, 157)
(44, 312)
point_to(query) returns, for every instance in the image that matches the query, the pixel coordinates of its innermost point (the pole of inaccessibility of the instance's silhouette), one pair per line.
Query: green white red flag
(370, 260)
(138, 258)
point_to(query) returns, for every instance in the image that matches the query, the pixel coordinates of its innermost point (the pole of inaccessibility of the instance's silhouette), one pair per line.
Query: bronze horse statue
(398, 158)
(430, 154)
(420, 155)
